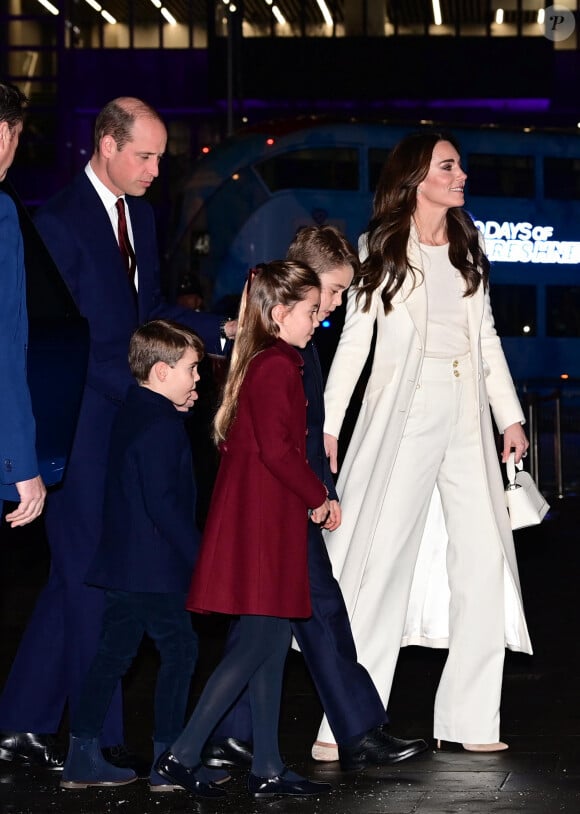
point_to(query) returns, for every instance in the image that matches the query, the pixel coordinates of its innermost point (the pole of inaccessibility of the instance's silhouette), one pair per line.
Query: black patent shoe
(227, 752)
(171, 769)
(279, 785)
(30, 749)
(377, 748)
(123, 758)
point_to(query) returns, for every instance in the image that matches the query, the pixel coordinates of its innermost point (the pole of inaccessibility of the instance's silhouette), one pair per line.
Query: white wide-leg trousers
(441, 445)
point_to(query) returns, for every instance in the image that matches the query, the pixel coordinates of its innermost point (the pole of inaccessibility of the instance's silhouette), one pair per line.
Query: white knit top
(447, 327)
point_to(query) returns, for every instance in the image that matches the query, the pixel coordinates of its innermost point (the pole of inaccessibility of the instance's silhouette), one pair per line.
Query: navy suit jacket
(17, 429)
(150, 539)
(314, 390)
(78, 234)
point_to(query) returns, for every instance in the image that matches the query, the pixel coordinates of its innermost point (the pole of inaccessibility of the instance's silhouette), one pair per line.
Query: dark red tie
(124, 243)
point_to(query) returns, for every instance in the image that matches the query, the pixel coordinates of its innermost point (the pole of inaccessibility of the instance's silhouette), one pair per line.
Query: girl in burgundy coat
(252, 562)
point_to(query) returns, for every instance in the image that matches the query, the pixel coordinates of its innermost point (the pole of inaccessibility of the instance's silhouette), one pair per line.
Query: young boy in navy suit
(147, 552)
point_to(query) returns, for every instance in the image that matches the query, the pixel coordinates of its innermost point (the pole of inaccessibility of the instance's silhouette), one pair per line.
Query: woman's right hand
(320, 514)
(331, 448)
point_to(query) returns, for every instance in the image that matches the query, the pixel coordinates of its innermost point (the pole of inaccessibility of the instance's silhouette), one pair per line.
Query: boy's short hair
(323, 248)
(160, 340)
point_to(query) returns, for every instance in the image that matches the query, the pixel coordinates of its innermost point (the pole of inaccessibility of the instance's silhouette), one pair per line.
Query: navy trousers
(61, 638)
(127, 617)
(346, 691)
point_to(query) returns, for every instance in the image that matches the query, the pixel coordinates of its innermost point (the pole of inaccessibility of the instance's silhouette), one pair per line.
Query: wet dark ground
(540, 774)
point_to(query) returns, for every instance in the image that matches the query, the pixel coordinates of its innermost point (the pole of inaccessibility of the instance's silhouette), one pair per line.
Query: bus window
(377, 158)
(312, 168)
(562, 310)
(562, 178)
(514, 309)
(501, 176)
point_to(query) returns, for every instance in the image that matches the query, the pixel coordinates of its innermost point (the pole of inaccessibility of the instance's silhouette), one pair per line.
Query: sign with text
(509, 242)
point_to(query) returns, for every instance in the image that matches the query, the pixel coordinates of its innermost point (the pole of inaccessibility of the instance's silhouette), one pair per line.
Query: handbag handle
(511, 467)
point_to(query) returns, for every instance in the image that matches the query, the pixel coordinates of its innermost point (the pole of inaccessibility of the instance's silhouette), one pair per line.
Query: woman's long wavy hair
(270, 284)
(395, 202)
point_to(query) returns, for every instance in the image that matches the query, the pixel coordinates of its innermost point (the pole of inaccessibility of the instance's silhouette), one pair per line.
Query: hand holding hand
(320, 514)
(334, 519)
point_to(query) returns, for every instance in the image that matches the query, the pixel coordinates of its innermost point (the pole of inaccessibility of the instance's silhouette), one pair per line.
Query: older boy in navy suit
(346, 691)
(148, 549)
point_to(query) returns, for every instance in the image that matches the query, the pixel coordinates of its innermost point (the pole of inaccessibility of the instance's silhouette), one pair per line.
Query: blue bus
(246, 198)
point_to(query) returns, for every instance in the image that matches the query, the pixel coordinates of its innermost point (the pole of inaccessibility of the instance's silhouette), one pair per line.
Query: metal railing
(534, 406)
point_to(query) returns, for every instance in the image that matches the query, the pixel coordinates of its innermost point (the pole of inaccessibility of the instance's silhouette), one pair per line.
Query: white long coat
(366, 470)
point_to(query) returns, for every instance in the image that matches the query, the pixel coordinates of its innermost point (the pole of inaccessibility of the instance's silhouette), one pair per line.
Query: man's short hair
(117, 118)
(160, 340)
(12, 104)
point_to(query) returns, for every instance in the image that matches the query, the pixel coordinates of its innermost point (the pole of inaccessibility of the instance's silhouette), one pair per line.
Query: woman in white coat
(424, 431)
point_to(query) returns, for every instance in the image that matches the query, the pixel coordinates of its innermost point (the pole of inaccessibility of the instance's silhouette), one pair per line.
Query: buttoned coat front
(365, 473)
(253, 557)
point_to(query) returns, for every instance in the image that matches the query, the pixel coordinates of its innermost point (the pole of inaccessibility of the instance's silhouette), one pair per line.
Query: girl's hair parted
(269, 284)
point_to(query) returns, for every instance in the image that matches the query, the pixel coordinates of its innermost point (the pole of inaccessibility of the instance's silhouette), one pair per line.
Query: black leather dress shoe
(279, 785)
(171, 769)
(378, 748)
(31, 749)
(123, 758)
(227, 752)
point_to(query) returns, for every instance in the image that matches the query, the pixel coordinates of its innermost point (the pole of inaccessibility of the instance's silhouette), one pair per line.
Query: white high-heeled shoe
(325, 752)
(481, 747)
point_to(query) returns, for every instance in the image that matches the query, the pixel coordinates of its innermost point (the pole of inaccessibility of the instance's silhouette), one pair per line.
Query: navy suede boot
(85, 766)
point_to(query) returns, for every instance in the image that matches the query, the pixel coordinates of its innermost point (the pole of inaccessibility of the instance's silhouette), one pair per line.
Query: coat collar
(287, 350)
(144, 397)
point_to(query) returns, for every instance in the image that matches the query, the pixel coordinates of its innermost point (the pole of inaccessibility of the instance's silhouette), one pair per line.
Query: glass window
(514, 309)
(377, 158)
(562, 310)
(326, 168)
(562, 178)
(510, 176)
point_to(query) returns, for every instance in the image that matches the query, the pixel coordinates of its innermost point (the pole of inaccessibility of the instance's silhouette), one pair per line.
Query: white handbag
(526, 505)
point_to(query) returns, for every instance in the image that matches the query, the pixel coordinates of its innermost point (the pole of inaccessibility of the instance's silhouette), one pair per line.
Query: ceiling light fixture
(168, 16)
(49, 7)
(437, 18)
(278, 15)
(325, 12)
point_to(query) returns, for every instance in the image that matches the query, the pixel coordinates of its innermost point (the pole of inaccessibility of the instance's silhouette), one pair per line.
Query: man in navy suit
(347, 693)
(19, 478)
(116, 287)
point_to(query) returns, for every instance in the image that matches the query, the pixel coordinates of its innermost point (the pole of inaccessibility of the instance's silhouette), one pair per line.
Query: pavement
(539, 774)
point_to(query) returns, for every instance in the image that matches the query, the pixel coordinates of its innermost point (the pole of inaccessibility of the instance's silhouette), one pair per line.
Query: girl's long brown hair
(395, 202)
(270, 284)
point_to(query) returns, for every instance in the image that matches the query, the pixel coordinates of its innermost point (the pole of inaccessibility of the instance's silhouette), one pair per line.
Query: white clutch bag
(526, 505)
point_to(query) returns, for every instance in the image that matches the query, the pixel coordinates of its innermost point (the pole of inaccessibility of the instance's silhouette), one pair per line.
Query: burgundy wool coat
(253, 552)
